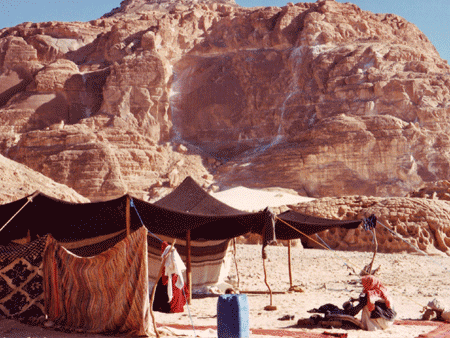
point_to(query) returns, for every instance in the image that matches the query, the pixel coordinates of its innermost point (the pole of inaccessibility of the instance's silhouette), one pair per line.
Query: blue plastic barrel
(233, 316)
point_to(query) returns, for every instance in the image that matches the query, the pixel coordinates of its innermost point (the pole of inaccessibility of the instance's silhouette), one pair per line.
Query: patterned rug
(21, 279)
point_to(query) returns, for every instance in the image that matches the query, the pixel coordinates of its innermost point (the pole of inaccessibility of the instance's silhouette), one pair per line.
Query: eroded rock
(323, 98)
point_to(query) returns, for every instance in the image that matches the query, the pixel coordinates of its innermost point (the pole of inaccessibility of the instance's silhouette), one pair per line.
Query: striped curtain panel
(211, 260)
(107, 293)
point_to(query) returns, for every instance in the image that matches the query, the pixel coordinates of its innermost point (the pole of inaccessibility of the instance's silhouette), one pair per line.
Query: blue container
(233, 316)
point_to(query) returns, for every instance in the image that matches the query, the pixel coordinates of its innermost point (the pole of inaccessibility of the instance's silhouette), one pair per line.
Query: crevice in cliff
(10, 92)
(94, 83)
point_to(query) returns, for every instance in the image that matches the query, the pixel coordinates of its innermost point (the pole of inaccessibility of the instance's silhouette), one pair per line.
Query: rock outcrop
(404, 224)
(18, 181)
(323, 98)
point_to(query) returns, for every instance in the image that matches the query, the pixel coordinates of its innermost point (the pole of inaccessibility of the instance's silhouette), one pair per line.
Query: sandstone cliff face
(323, 98)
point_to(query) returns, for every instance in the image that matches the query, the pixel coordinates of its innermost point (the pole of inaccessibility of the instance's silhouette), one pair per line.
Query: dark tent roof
(66, 221)
(307, 225)
(188, 207)
(190, 197)
(76, 221)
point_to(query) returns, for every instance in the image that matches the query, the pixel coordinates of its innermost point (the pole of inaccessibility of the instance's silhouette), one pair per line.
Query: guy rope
(29, 199)
(323, 246)
(368, 225)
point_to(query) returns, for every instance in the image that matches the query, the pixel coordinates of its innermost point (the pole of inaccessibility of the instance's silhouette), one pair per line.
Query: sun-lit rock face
(322, 98)
(18, 181)
(404, 224)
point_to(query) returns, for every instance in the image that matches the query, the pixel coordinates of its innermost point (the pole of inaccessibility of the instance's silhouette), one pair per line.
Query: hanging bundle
(370, 222)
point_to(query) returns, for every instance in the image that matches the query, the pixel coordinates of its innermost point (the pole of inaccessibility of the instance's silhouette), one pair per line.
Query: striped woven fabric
(21, 278)
(210, 260)
(107, 293)
(95, 245)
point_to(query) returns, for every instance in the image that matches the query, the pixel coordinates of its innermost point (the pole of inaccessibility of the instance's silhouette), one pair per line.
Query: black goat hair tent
(188, 207)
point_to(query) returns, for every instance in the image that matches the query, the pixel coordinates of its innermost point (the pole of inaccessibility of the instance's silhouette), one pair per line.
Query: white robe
(373, 324)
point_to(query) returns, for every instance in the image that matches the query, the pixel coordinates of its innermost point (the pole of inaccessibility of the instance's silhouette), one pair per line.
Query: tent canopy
(189, 197)
(307, 225)
(188, 207)
(66, 221)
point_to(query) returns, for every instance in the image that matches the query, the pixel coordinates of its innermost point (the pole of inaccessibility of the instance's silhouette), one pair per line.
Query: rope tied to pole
(137, 212)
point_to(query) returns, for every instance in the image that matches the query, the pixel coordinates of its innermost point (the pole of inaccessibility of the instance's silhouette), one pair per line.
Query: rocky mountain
(322, 98)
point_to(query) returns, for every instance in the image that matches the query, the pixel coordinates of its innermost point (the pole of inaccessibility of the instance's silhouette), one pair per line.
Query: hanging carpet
(21, 279)
(107, 293)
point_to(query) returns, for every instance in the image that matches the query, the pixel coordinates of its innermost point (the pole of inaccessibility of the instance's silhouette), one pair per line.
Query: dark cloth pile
(161, 302)
(347, 314)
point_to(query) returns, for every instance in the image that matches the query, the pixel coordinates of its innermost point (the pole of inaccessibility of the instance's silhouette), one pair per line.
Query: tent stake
(289, 263)
(188, 266)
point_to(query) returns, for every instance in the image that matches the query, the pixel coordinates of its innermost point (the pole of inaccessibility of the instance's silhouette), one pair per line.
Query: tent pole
(152, 297)
(188, 266)
(289, 263)
(127, 215)
(268, 307)
(235, 261)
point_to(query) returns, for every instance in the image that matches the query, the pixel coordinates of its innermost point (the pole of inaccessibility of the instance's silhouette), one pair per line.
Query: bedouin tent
(90, 228)
(190, 198)
(188, 214)
(205, 248)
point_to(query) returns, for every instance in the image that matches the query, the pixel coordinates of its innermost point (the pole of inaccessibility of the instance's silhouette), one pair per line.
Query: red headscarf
(372, 288)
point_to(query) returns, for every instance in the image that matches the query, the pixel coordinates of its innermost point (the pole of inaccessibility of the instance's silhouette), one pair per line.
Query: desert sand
(322, 275)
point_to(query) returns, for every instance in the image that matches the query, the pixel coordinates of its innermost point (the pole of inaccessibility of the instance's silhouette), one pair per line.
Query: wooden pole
(188, 266)
(289, 263)
(127, 216)
(152, 298)
(235, 261)
(268, 307)
(369, 270)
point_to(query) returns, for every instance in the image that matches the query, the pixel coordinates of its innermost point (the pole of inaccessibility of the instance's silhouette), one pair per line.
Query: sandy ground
(413, 280)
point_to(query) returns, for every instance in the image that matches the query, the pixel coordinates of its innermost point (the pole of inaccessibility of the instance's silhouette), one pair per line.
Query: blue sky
(432, 17)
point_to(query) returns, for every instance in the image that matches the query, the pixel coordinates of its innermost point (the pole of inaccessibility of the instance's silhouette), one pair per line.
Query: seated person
(377, 314)
(374, 302)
